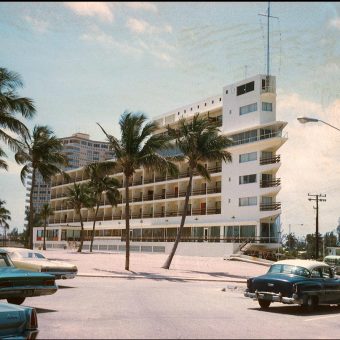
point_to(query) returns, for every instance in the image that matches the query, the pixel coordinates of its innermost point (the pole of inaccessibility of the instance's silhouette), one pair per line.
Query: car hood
(11, 272)
(46, 263)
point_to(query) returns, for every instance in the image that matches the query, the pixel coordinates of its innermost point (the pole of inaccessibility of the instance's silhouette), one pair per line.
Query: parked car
(17, 284)
(18, 322)
(35, 261)
(334, 262)
(304, 282)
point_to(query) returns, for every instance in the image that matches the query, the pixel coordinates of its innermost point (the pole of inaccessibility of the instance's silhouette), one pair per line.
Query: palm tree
(80, 197)
(10, 105)
(198, 142)
(138, 147)
(41, 152)
(45, 212)
(5, 216)
(100, 182)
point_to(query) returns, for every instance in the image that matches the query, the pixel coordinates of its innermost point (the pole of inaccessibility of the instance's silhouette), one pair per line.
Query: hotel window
(267, 106)
(248, 108)
(246, 201)
(248, 157)
(247, 179)
(242, 89)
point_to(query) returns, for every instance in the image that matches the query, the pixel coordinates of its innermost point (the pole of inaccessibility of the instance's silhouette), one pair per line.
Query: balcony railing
(271, 160)
(270, 183)
(259, 137)
(270, 206)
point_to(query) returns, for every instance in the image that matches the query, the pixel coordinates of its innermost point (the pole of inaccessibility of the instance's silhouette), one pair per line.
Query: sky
(84, 63)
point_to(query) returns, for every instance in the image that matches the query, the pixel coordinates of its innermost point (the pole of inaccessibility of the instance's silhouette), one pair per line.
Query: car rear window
(288, 269)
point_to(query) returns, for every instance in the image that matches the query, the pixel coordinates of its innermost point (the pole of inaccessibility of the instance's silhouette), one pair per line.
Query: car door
(331, 286)
(316, 284)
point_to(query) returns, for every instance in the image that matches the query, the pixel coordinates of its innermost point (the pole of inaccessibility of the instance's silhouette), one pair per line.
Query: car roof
(17, 249)
(308, 264)
(332, 257)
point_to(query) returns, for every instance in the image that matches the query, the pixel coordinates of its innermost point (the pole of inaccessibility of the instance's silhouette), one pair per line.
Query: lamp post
(304, 120)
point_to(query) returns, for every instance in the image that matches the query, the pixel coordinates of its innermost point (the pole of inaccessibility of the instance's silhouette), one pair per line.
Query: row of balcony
(121, 216)
(140, 181)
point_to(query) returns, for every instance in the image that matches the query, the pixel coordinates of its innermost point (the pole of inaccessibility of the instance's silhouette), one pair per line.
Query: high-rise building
(238, 205)
(80, 151)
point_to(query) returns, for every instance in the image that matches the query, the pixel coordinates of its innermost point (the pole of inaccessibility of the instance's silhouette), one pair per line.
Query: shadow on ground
(300, 311)
(44, 310)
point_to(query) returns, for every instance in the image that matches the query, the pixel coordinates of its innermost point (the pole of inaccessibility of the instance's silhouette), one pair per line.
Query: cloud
(141, 26)
(335, 23)
(107, 41)
(37, 24)
(310, 161)
(147, 6)
(101, 9)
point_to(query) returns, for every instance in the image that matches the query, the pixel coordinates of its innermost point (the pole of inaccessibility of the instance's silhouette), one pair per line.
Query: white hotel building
(238, 205)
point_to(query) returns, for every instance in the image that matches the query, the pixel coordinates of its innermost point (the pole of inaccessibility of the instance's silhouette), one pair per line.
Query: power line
(317, 198)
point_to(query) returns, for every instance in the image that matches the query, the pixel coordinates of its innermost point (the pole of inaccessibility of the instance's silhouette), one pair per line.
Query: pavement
(149, 266)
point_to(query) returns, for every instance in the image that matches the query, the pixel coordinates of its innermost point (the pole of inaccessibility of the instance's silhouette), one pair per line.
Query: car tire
(264, 304)
(310, 303)
(16, 300)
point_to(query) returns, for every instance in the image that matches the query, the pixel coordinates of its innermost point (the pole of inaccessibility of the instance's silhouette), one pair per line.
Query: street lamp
(304, 120)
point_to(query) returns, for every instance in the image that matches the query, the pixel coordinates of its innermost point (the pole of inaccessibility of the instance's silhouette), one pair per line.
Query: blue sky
(84, 63)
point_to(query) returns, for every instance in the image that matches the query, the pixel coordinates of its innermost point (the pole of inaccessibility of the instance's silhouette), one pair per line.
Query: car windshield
(5, 261)
(288, 269)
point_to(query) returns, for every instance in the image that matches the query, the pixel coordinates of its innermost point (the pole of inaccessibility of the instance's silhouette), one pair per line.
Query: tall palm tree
(5, 216)
(79, 196)
(41, 152)
(10, 105)
(198, 142)
(138, 147)
(100, 182)
(45, 212)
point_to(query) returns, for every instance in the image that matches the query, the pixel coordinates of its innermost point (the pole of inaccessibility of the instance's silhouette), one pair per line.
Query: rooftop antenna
(268, 46)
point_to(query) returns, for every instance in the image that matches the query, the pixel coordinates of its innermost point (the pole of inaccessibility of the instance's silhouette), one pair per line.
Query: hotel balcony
(270, 183)
(271, 160)
(270, 206)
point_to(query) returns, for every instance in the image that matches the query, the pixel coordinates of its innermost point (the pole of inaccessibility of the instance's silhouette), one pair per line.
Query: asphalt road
(90, 308)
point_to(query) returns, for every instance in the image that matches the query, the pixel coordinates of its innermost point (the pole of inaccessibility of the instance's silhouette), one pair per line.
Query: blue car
(18, 322)
(17, 284)
(304, 282)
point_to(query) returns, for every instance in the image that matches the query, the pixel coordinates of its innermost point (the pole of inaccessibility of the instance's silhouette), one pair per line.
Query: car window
(39, 256)
(316, 273)
(327, 272)
(288, 269)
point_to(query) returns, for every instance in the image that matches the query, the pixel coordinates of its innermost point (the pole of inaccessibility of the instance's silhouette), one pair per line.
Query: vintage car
(18, 322)
(17, 284)
(35, 261)
(304, 282)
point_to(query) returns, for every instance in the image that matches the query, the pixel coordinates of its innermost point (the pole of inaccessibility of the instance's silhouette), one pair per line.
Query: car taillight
(295, 288)
(33, 324)
(49, 283)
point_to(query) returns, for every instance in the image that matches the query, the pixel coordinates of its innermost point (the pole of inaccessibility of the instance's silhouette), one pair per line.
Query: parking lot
(97, 307)
(199, 297)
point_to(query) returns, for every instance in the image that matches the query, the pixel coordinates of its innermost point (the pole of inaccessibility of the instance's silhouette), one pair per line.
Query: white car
(32, 260)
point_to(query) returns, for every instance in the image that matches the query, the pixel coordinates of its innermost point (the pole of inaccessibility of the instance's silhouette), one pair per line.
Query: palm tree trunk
(127, 224)
(184, 215)
(44, 244)
(93, 228)
(81, 233)
(31, 213)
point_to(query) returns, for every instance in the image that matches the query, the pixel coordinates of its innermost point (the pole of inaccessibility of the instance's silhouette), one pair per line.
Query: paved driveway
(101, 308)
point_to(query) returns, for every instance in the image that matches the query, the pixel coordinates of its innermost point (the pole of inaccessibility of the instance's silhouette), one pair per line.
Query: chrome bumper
(273, 297)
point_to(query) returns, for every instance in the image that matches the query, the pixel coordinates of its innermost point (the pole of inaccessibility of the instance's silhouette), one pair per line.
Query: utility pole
(317, 198)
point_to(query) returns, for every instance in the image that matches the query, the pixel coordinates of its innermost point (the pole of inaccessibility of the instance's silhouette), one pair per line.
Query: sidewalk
(148, 266)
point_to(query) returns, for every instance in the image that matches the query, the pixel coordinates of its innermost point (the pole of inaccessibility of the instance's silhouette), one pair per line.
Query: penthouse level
(238, 205)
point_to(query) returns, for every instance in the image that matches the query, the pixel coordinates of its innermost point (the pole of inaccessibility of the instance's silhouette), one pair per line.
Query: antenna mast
(268, 45)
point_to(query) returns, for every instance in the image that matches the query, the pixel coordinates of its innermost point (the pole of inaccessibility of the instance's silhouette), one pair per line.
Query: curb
(179, 278)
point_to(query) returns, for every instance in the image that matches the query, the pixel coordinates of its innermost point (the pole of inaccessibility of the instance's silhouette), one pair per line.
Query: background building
(80, 151)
